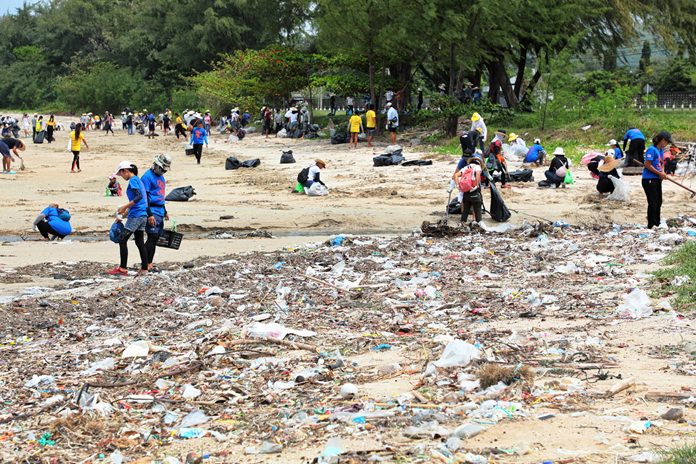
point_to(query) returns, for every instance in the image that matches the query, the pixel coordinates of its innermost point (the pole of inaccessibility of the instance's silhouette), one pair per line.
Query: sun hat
(502, 132)
(610, 163)
(320, 163)
(475, 117)
(441, 86)
(559, 151)
(537, 140)
(476, 159)
(512, 137)
(479, 130)
(611, 143)
(122, 165)
(163, 161)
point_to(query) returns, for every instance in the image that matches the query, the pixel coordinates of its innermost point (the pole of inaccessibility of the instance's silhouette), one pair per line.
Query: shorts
(391, 128)
(157, 228)
(370, 131)
(136, 223)
(354, 132)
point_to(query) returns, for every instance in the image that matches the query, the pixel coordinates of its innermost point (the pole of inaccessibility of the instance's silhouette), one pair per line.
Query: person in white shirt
(476, 122)
(292, 116)
(349, 104)
(392, 122)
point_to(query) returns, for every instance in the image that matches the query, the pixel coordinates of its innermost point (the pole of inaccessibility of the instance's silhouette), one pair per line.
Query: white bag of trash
(621, 191)
(458, 353)
(317, 190)
(636, 305)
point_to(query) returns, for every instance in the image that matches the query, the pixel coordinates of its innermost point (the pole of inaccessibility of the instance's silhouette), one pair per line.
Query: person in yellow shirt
(370, 123)
(179, 126)
(77, 138)
(356, 126)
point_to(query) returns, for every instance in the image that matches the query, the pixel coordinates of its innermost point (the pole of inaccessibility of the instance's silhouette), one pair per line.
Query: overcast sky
(12, 5)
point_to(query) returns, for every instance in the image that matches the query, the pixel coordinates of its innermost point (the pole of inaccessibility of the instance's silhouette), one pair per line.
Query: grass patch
(682, 262)
(682, 455)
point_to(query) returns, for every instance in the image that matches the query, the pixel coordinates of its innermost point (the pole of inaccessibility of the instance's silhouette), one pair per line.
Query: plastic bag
(117, 232)
(636, 305)
(621, 190)
(568, 179)
(458, 353)
(181, 194)
(317, 190)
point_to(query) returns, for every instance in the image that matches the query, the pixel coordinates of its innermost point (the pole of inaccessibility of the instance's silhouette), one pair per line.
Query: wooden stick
(171, 373)
(619, 387)
(272, 341)
(319, 281)
(671, 180)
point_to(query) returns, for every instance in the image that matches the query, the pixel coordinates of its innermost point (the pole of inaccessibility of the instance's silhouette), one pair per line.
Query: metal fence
(668, 101)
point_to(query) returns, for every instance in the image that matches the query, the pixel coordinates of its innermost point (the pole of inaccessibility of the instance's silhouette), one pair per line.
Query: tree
(644, 62)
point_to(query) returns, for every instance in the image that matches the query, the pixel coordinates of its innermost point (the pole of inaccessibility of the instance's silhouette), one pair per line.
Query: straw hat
(610, 163)
(320, 163)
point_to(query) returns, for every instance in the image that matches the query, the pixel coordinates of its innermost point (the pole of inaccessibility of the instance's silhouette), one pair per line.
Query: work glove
(451, 186)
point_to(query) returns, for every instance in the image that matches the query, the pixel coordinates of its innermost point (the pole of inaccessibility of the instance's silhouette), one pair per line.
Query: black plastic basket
(170, 239)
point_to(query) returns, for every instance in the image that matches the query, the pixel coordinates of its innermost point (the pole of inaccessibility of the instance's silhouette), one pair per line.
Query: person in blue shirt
(136, 208)
(636, 146)
(653, 174)
(536, 154)
(618, 152)
(198, 137)
(54, 222)
(155, 187)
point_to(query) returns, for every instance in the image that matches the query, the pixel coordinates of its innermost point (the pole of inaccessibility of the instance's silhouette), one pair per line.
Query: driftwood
(272, 341)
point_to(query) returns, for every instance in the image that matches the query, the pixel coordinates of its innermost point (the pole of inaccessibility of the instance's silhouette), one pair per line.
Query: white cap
(388, 105)
(611, 143)
(123, 165)
(537, 140)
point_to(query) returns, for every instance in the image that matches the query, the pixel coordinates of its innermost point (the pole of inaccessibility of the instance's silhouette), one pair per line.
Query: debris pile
(365, 348)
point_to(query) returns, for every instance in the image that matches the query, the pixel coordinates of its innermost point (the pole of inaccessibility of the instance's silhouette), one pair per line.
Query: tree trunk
(450, 88)
(521, 65)
(532, 85)
(493, 83)
(371, 73)
(504, 82)
(380, 116)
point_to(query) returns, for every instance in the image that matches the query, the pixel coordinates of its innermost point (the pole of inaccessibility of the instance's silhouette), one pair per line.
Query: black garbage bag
(498, 211)
(340, 136)
(39, 138)
(232, 163)
(252, 163)
(417, 163)
(241, 133)
(522, 175)
(287, 157)
(455, 207)
(388, 160)
(181, 194)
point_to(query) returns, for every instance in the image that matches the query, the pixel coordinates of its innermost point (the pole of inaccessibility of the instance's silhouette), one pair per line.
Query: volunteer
(77, 138)
(618, 152)
(355, 127)
(555, 175)
(653, 174)
(155, 188)
(392, 122)
(54, 222)
(469, 182)
(536, 154)
(198, 137)
(8, 146)
(636, 146)
(477, 121)
(607, 169)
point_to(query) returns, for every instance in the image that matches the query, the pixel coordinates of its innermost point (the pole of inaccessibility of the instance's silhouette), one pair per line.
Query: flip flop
(9, 172)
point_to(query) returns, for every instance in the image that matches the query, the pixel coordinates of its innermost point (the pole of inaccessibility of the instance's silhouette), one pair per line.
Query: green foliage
(106, 87)
(682, 261)
(685, 454)
(251, 78)
(678, 76)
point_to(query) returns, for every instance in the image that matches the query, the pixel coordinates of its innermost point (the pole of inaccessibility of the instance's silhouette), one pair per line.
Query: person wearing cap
(392, 122)
(113, 188)
(313, 174)
(476, 122)
(420, 99)
(198, 137)
(636, 146)
(155, 188)
(536, 154)
(555, 175)
(653, 174)
(76, 139)
(136, 210)
(671, 157)
(471, 199)
(496, 159)
(607, 169)
(470, 141)
(130, 123)
(618, 152)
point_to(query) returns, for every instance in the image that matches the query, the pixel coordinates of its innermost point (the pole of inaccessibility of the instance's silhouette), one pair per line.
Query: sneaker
(117, 271)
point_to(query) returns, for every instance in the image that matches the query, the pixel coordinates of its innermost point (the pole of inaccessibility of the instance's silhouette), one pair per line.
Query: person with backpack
(311, 174)
(53, 222)
(469, 182)
(496, 159)
(470, 141)
(155, 186)
(198, 137)
(75, 142)
(136, 210)
(555, 175)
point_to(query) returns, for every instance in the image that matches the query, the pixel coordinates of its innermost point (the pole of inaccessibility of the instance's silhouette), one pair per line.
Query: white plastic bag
(621, 191)
(636, 305)
(282, 133)
(317, 190)
(458, 353)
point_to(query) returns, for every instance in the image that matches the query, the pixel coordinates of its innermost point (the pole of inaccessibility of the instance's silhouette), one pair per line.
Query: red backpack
(467, 179)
